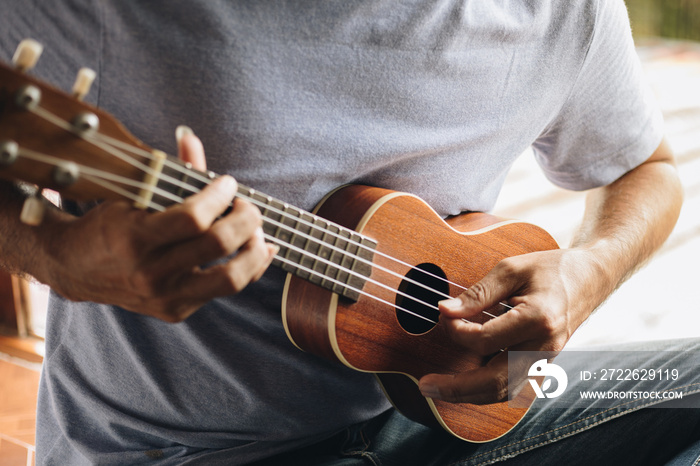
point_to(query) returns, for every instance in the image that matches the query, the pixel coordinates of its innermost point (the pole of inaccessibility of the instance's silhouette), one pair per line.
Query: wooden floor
(18, 390)
(662, 301)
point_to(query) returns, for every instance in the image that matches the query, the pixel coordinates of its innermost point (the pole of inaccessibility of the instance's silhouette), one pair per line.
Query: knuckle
(190, 220)
(509, 267)
(142, 284)
(482, 346)
(173, 316)
(549, 326)
(237, 279)
(478, 293)
(485, 345)
(221, 240)
(168, 309)
(498, 387)
(255, 214)
(249, 216)
(451, 393)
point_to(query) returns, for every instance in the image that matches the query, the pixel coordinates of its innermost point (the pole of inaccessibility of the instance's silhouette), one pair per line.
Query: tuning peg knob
(27, 54)
(33, 210)
(9, 151)
(83, 81)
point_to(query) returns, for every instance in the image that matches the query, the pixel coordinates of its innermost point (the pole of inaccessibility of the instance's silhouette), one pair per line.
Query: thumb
(488, 293)
(476, 299)
(190, 148)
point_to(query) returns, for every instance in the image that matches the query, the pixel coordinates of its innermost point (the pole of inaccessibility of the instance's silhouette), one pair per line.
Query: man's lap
(637, 431)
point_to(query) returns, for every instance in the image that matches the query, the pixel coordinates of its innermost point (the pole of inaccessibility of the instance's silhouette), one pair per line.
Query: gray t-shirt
(295, 98)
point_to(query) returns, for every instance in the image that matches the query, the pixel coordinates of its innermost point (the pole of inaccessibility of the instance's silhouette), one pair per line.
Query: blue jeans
(633, 432)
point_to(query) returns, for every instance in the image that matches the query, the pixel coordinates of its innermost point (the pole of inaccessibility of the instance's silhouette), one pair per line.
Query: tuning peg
(33, 210)
(9, 151)
(27, 54)
(83, 81)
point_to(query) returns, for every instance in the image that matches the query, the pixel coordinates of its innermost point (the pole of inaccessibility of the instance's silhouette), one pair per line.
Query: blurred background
(675, 19)
(662, 301)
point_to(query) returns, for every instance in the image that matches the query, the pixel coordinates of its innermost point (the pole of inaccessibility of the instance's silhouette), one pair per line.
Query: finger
(502, 378)
(511, 328)
(498, 285)
(486, 384)
(195, 215)
(233, 276)
(272, 249)
(226, 236)
(190, 148)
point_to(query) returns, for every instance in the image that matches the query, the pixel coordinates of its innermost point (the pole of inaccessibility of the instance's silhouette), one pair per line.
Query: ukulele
(365, 269)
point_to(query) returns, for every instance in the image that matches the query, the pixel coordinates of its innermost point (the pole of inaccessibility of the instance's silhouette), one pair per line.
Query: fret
(188, 182)
(317, 247)
(324, 253)
(335, 256)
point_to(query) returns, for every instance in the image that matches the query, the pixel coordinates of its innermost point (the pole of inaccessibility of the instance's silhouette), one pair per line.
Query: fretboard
(92, 157)
(315, 249)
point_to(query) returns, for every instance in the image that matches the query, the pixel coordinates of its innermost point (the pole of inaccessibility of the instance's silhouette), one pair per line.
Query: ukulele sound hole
(420, 291)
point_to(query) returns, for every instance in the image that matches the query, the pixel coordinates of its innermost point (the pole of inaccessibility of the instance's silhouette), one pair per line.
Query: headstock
(53, 140)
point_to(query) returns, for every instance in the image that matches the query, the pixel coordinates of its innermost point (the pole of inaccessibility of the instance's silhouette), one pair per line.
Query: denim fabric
(629, 433)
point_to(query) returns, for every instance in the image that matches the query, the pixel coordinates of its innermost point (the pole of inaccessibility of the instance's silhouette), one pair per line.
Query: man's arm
(554, 292)
(144, 262)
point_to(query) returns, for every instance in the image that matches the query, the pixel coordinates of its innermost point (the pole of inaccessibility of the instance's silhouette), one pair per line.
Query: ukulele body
(376, 335)
(43, 137)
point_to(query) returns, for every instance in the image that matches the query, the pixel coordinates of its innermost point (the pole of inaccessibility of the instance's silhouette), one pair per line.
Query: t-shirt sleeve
(610, 122)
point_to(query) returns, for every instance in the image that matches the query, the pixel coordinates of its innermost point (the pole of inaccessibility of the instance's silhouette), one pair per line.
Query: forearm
(628, 220)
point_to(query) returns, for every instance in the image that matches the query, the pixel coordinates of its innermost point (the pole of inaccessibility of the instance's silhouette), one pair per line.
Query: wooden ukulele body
(371, 335)
(44, 135)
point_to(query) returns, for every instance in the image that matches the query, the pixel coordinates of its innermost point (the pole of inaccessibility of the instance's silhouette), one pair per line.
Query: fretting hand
(151, 263)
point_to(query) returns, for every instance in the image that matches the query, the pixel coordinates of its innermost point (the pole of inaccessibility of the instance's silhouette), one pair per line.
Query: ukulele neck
(322, 252)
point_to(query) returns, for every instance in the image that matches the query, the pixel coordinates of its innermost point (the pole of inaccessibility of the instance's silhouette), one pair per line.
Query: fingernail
(453, 304)
(429, 390)
(181, 131)
(228, 182)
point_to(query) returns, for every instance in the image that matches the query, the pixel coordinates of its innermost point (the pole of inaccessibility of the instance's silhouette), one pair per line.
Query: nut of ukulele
(27, 54)
(83, 81)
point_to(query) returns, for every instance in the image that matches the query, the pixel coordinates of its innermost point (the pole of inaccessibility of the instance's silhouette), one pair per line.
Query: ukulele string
(107, 144)
(433, 307)
(94, 176)
(112, 147)
(363, 292)
(117, 148)
(207, 180)
(99, 177)
(272, 239)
